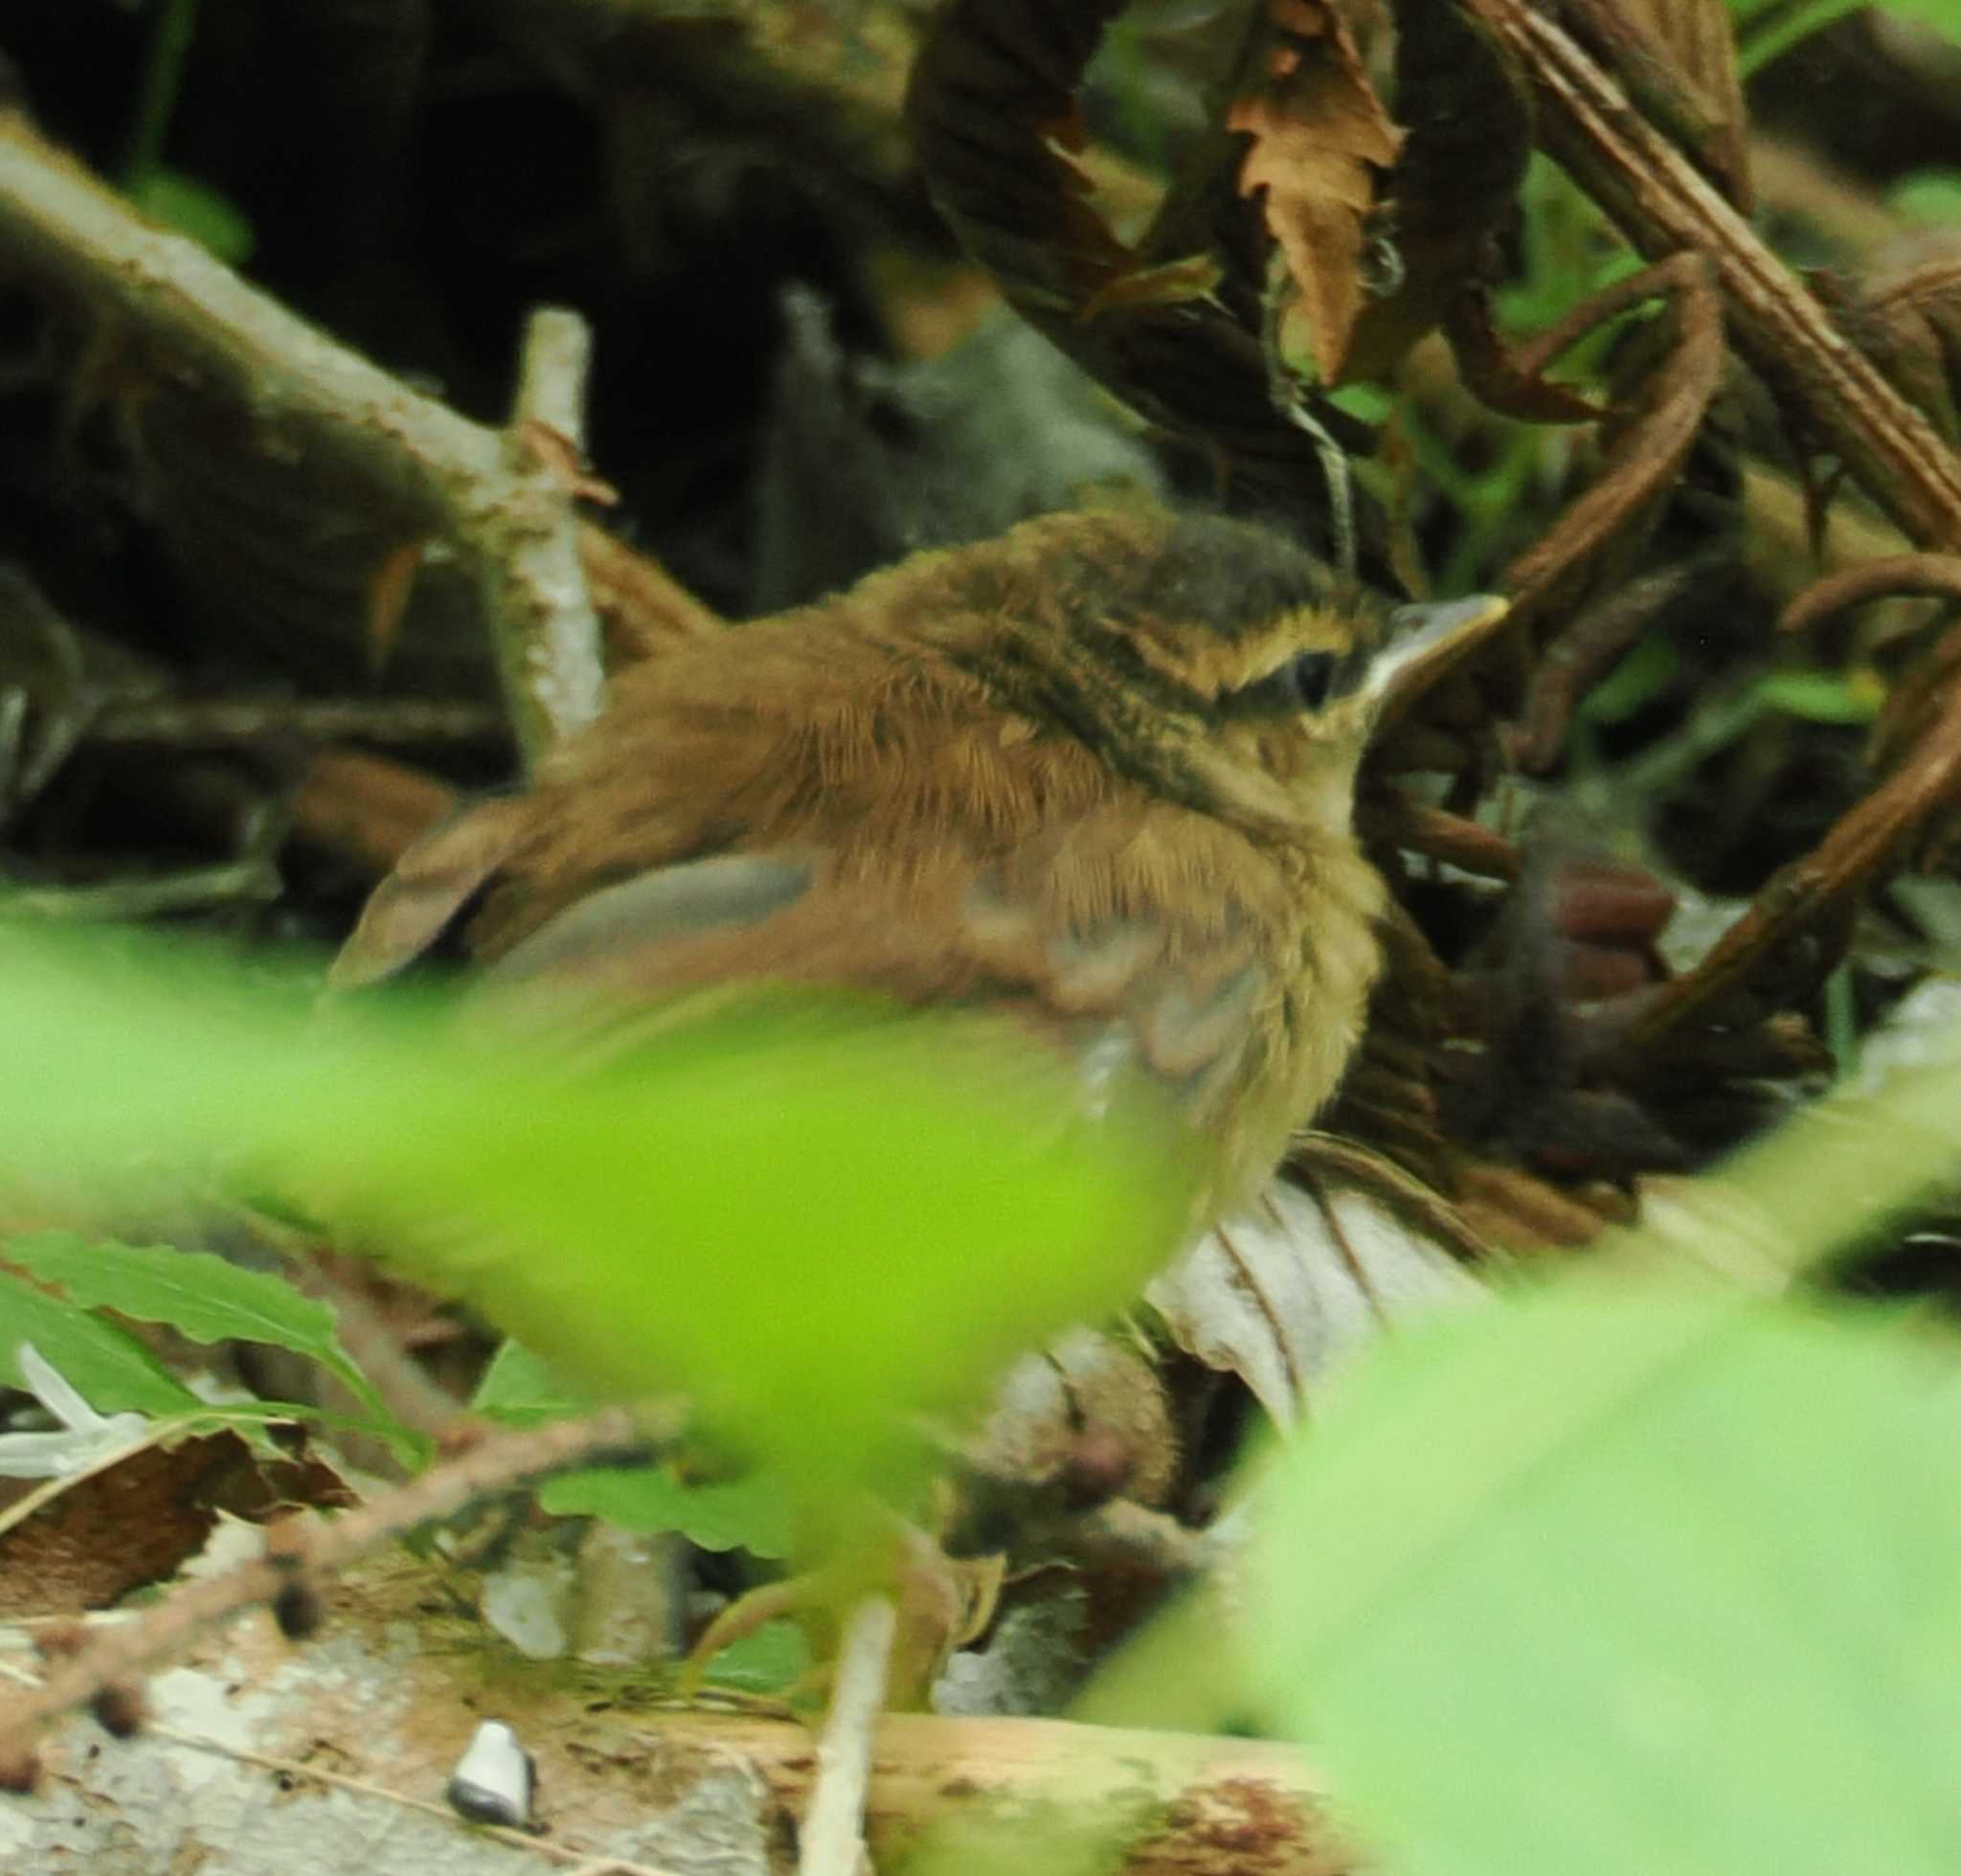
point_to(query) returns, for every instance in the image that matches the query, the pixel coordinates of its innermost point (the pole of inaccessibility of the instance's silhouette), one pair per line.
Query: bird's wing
(430, 885)
(1124, 993)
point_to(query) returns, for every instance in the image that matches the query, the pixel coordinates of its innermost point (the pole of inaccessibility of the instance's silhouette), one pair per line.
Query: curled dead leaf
(1321, 145)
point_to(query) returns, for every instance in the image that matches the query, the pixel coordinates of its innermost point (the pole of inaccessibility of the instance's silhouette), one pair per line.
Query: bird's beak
(1425, 640)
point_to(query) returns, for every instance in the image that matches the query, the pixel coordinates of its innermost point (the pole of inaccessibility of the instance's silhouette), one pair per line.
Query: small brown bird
(1095, 775)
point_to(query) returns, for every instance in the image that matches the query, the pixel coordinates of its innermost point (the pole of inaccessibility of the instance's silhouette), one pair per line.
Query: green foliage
(805, 1217)
(166, 195)
(1619, 1575)
(522, 1391)
(1766, 28)
(113, 1372)
(776, 1656)
(748, 1514)
(1631, 1581)
(200, 1296)
(195, 209)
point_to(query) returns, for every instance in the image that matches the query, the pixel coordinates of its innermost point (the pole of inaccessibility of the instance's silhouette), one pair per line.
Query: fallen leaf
(1279, 1294)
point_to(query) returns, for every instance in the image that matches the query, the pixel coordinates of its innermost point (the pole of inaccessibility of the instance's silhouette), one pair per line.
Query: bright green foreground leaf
(809, 1216)
(1632, 1582)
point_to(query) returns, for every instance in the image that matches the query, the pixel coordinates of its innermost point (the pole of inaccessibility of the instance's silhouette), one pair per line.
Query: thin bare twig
(302, 1773)
(214, 722)
(1860, 846)
(318, 1549)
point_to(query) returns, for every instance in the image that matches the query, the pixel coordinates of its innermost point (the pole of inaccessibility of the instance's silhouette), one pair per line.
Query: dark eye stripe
(1303, 683)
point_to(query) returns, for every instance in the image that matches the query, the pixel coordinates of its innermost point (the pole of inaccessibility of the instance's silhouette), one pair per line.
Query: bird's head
(1210, 658)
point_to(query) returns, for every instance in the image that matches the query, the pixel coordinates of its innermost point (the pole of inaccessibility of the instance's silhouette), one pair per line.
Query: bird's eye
(1309, 678)
(1303, 683)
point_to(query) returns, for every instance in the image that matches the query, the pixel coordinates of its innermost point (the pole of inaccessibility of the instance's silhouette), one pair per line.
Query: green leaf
(1637, 680)
(1824, 697)
(1631, 1582)
(107, 1366)
(523, 1390)
(1930, 196)
(1767, 29)
(807, 1215)
(200, 1296)
(747, 1514)
(776, 1656)
(195, 209)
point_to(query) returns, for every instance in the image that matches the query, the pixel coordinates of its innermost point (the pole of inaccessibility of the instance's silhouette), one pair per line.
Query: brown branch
(1647, 456)
(484, 492)
(1591, 646)
(1664, 206)
(1860, 846)
(1930, 575)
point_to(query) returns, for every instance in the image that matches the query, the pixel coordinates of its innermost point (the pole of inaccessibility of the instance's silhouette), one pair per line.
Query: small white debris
(492, 1781)
(86, 1435)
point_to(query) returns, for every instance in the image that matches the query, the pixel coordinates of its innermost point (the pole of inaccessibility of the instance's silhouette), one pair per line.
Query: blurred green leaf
(107, 1366)
(1637, 680)
(809, 1216)
(523, 1390)
(768, 1661)
(744, 1514)
(1932, 196)
(193, 208)
(1767, 29)
(1824, 697)
(1631, 1582)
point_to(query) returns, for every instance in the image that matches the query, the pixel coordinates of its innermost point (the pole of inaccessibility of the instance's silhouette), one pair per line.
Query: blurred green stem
(176, 25)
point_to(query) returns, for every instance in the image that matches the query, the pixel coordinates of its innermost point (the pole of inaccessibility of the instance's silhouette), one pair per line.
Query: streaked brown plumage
(1095, 775)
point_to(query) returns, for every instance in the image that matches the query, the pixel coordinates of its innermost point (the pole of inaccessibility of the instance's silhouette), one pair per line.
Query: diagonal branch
(498, 506)
(1663, 206)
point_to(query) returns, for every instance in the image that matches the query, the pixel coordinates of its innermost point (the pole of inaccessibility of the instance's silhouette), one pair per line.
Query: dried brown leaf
(992, 109)
(138, 1521)
(388, 598)
(1171, 284)
(1278, 1294)
(1467, 108)
(1321, 145)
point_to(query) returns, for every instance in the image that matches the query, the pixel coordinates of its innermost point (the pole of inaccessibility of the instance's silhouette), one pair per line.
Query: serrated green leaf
(107, 1366)
(745, 1514)
(202, 1295)
(1631, 1582)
